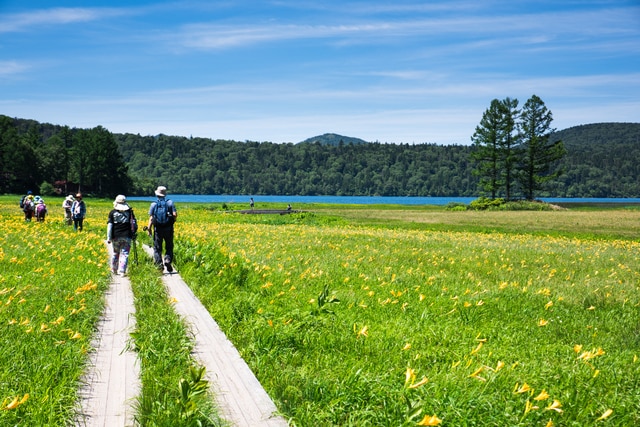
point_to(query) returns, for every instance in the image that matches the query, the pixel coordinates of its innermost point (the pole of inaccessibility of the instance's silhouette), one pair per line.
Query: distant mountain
(333, 139)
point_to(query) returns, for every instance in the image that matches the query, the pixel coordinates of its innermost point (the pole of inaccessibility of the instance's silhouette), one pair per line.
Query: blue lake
(358, 200)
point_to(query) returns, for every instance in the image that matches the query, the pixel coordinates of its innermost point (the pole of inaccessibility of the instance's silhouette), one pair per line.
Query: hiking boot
(169, 267)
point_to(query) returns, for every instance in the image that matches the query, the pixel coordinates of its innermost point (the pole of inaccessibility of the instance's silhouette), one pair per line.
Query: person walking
(162, 216)
(66, 205)
(78, 212)
(28, 206)
(121, 227)
(41, 210)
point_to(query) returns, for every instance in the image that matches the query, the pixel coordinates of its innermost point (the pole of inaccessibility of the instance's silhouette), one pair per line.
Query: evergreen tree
(488, 143)
(509, 145)
(538, 154)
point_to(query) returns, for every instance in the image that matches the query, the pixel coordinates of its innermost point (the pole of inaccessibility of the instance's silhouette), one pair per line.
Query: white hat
(70, 198)
(161, 191)
(120, 204)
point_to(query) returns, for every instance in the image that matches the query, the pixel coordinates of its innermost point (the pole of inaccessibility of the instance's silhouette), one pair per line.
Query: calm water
(356, 200)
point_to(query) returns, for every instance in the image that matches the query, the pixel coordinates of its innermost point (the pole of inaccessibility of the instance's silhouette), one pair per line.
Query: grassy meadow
(389, 316)
(349, 315)
(52, 286)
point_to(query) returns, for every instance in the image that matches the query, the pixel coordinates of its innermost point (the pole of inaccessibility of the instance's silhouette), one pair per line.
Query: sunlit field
(363, 316)
(389, 324)
(52, 285)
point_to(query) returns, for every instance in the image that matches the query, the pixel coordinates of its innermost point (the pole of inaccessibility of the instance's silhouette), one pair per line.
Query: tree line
(599, 162)
(56, 159)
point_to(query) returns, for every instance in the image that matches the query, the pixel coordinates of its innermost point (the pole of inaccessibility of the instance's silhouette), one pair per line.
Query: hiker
(66, 205)
(28, 206)
(251, 203)
(121, 227)
(78, 212)
(41, 210)
(162, 216)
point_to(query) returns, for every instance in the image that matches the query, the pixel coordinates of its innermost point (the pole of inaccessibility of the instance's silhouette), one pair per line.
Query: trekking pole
(135, 248)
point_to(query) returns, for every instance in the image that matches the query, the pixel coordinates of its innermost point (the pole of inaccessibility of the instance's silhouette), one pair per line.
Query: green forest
(601, 161)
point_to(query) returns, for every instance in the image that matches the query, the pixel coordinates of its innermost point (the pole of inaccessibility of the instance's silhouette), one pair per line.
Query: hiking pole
(135, 248)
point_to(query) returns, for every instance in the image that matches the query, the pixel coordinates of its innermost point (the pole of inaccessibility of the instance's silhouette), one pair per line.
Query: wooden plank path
(112, 384)
(240, 397)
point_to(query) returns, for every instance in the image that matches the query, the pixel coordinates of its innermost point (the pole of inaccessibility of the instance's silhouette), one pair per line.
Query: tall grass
(52, 284)
(360, 325)
(51, 294)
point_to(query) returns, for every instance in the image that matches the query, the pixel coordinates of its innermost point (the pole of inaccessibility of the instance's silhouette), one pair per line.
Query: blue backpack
(162, 214)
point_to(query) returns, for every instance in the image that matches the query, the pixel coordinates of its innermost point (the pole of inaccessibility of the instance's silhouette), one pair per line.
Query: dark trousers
(163, 234)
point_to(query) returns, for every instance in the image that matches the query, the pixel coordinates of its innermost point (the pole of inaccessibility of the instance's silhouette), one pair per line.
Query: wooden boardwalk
(240, 397)
(112, 384)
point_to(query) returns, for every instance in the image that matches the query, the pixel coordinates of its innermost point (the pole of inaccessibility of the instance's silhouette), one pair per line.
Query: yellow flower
(477, 371)
(523, 389)
(13, 404)
(543, 322)
(499, 366)
(549, 424)
(477, 349)
(407, 346)
(409, 375)
(529, 407)
(364, 331)
(542, 396)
(555, 406)
(548, 305)
(430, 420)
(16, 402)
(420, 383)
(605, 415)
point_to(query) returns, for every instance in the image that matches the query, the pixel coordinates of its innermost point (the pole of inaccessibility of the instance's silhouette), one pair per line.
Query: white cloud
(12, 68)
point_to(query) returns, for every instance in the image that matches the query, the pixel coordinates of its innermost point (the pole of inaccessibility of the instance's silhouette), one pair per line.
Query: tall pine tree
(538, 153)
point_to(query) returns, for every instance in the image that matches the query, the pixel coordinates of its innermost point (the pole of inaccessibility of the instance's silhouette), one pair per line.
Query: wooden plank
(112, 382)
(239, 395)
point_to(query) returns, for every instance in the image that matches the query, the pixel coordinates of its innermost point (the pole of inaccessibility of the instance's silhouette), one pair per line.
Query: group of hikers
(122, 226)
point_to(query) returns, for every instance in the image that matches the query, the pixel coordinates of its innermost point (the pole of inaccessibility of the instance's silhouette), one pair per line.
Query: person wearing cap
(78, 212)
(162, 216)
(66, 205)
(28, 206)
(121, 226)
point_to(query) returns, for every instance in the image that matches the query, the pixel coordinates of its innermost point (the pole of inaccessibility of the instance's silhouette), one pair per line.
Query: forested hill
(601, 162)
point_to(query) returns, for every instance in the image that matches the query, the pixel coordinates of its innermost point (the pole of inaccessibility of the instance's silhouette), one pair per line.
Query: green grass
(348, 315)
(52, 284)
(51, 294)
(548, 301)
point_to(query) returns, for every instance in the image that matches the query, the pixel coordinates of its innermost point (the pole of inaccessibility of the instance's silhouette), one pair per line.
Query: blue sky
(284, 70)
